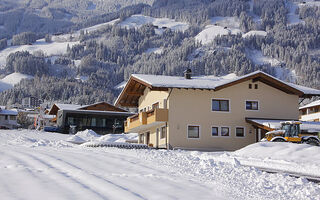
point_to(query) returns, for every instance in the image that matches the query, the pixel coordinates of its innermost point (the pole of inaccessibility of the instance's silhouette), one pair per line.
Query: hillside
(85, 62)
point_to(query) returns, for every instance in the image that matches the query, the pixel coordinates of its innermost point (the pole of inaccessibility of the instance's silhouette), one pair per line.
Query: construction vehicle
(290, 132)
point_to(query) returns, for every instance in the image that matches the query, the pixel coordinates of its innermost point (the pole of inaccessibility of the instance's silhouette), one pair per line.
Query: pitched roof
(138, 82)
(60, 106)
(314, 103)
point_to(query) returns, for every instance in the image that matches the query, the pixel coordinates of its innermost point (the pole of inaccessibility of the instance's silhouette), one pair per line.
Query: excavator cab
(291, 131)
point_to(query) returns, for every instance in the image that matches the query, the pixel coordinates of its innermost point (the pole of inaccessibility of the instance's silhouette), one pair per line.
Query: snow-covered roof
(209, 82)
(62, 106)
(202, 82)
(315, 103)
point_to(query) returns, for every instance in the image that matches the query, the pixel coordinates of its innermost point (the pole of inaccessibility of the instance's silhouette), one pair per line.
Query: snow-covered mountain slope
(282, 73)
(44, 166)
(10, 80)
(154, 50)
(49, 49)
(255, 33)
(218, 26)
(136, 21)
(66, 37)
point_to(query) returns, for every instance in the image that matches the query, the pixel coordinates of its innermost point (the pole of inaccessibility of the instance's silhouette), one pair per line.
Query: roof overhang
(134, 89)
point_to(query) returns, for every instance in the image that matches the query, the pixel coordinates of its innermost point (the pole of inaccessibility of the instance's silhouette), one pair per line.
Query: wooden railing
(145, 118)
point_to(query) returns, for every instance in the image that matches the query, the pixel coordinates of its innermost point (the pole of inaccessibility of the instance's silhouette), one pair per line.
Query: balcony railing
(143, 119)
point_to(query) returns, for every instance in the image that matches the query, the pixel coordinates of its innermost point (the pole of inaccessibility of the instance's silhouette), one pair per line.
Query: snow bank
(30, 141)
(290, 152)
(119, 137)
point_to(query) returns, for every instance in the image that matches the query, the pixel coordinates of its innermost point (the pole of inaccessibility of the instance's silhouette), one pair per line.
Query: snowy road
(35, 165)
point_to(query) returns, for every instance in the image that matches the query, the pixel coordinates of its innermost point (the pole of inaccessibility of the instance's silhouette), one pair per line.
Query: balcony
(144, 120)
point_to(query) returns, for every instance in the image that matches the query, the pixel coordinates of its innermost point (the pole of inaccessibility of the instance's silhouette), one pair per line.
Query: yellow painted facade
(194, 107)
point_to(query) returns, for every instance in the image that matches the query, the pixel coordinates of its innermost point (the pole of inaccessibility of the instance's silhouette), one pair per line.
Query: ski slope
(40, 165)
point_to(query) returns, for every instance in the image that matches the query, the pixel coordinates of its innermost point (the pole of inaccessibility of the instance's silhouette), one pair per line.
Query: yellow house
(208, 113)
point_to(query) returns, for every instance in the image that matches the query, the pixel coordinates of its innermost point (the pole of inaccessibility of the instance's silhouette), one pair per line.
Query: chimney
(187, 74)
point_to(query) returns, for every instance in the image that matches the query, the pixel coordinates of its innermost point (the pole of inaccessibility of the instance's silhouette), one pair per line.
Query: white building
(8, 118)
(310, 112)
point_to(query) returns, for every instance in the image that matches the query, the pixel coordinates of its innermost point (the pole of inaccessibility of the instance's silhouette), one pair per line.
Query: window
(93, 122)
(250, 86)
(225, 131)
(163, 132)
(12, 117)
(215, 131)
(255, 86)
(193, 131)
(6, 117)
(252, 105)
(220, 105)
(240, 132)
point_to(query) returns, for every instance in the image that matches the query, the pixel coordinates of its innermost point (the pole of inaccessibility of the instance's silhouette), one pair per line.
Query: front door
(147, 134)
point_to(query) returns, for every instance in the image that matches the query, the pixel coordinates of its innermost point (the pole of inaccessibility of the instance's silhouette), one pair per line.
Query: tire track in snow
(171, 181)
(74, 187)
(104, 187)
(30, 177)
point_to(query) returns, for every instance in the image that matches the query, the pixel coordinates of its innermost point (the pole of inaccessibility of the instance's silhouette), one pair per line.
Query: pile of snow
(87, 135)
(119, 137)
(219, 26)
(76, 139)
(10, 80)
(136, 21)
(49, 49)
(255, 33)
(154, 50)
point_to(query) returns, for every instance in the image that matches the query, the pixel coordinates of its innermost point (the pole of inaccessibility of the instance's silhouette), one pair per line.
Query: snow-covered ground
(155, 50)
(255, 33)
(10, 80)
(66, 37)
(293, 18)
(218, 26)
(40, 165)
(49, 49)
(136, 21)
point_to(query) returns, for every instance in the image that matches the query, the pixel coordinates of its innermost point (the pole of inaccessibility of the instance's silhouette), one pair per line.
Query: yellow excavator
(290, 132)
